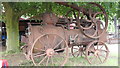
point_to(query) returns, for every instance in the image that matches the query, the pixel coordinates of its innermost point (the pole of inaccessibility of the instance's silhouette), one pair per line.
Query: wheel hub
(80, 49)
(96, 52)
(50, 52)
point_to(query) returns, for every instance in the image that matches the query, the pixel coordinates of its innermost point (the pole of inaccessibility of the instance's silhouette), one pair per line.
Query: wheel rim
(56, 54)
(97, 54)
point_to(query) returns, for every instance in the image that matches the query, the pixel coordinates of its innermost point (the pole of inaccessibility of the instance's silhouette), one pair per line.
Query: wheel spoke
(99, 58)
(101, 47)
(79, 53)
(40, 55)
(83, 53)
(59, 54)
(54, 40)
(92, 59)
(51, 60)
(47, 40)
(94, 48)
(47, 60)
(43, 43)
(75, 52)
(97, 46)
(58, 44)
(56, 61)
(42, 60)
(39, 43)
(104, 50)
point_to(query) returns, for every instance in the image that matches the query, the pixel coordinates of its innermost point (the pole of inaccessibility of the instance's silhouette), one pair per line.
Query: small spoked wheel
(77, 50)
(97, 52)
(49, 50)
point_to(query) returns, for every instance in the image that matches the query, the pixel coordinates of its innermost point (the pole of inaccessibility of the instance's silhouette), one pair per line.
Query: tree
(13, 11)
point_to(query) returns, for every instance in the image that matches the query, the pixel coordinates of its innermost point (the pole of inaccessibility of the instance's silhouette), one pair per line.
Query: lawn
(19, 59)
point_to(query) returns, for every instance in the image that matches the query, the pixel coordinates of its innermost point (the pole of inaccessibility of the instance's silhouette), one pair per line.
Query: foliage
(35, 8)
(60, 9)
(118, 10)
(110, 7)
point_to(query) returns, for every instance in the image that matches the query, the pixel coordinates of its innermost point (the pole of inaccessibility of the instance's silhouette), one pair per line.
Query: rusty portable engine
(52, 39)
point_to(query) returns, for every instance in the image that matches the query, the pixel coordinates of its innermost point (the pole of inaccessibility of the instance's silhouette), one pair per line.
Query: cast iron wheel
(77, 50)
(97, 52)
(49, 50)
(94, 18)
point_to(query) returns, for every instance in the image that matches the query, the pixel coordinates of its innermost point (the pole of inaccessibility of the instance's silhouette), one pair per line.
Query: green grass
(27, 63)
(72, 61)
(81, 61)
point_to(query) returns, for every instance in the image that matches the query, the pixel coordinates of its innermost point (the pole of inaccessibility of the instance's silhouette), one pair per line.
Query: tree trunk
(12, 31)
(12, 36)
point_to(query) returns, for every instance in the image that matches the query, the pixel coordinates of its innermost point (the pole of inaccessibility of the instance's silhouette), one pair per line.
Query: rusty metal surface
(97, 51)
(42, 39)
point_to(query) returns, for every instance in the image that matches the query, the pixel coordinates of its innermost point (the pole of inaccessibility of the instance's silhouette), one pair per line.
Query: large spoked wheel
(97, 52)
(49, 50)
(77, 50)
(99, 18)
